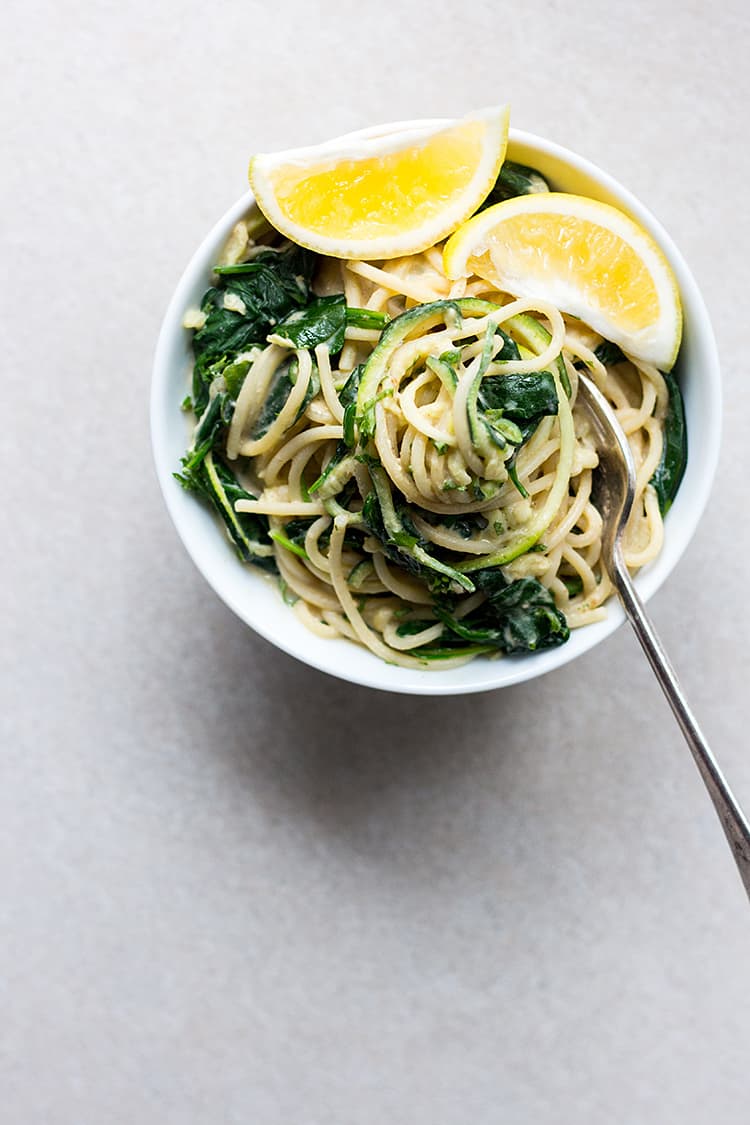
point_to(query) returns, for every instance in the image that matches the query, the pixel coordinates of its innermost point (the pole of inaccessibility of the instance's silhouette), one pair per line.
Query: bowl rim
(508, 670)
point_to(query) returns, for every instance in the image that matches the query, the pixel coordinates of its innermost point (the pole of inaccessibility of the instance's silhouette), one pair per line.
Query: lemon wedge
(380, 194)
(587, 258)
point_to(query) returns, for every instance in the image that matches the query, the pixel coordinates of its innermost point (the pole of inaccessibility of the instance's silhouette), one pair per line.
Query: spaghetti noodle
(425, 481)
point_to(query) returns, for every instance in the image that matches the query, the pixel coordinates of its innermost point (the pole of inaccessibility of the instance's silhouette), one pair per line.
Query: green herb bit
(287, 544)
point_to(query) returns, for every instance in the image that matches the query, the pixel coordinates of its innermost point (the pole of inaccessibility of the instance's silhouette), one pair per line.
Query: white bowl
(256, 599)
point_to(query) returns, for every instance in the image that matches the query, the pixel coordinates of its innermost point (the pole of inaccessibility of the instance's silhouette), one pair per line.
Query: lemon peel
(588, 258)
(377, 195)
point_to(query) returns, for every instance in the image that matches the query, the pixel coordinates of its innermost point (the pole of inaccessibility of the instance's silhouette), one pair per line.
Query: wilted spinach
(283, 382)
(519, 616)
(609, 353)
(322, 321)
(524, 398)
(671, 468)
(521, 399)
(515, 179)
(211, 479)
(270, 286)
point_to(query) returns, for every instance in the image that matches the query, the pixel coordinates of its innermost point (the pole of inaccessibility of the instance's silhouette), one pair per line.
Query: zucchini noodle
(400, 471)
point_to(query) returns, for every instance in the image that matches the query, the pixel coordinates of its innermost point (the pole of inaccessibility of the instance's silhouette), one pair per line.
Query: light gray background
(235, 890)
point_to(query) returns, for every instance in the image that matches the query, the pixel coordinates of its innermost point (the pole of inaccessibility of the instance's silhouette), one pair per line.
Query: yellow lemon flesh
(587, 258)
(382, 194)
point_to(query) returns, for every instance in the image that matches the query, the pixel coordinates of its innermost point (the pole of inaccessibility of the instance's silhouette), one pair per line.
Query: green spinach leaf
(323, 321)
(269, 287)
(609, 353)
(211, 479)
(671, 468)
(276, 399)
(520, 397)
(515, 179)
(519, 616)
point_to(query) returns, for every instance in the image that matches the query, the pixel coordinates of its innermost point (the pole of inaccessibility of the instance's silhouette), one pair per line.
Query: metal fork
(615, 492)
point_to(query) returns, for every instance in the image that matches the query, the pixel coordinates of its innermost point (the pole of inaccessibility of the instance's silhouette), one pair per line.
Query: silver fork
(615, 492)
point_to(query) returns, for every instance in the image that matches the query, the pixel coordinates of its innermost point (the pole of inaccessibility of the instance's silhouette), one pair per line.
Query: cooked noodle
(533, 517)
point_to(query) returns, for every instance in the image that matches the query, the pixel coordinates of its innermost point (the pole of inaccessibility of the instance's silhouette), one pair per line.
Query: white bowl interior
(256, 599)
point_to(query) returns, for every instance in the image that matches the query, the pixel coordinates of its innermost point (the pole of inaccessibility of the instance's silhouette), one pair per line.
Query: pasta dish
(406, 453)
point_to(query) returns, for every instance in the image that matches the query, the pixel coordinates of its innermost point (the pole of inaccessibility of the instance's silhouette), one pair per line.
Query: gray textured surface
(234, 890)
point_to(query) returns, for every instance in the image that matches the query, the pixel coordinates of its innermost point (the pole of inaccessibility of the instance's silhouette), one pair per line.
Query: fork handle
(733, 820)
